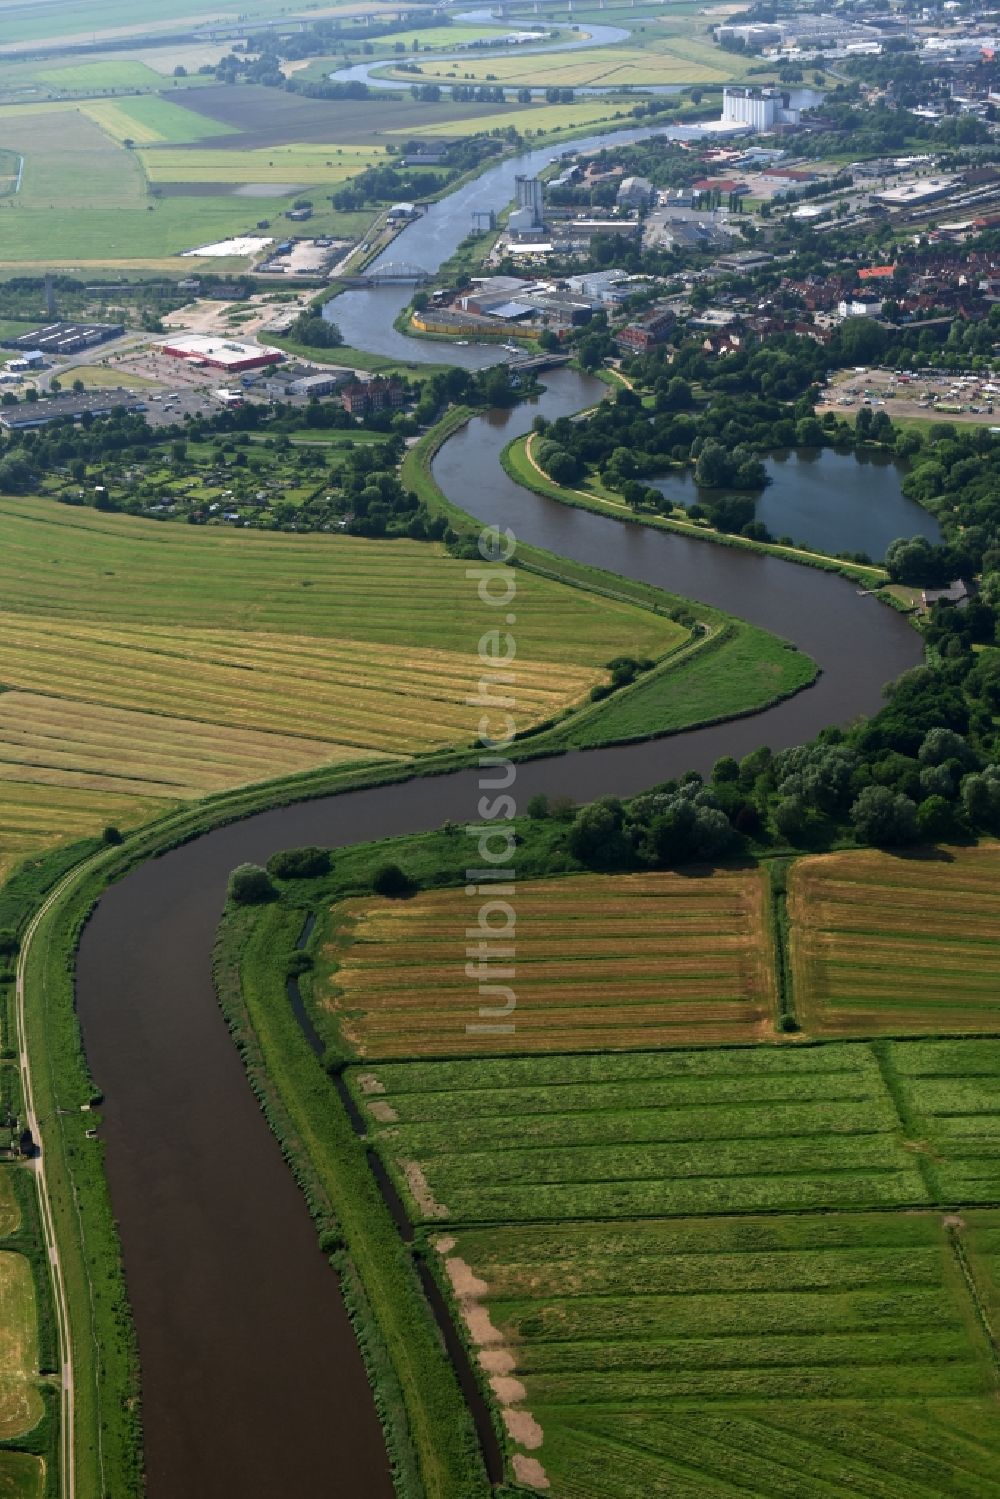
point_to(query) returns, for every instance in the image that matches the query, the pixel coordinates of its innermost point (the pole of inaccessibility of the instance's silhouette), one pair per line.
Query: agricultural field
(220, 659)
(644, 1330)
(10, 171)
(889, 944)
(642, 1134)
(60, 20)
(10, 1212)
(20, 1402)
(22, 1476)
(294, 165)
(947, 1096)
(259, 117)
(669, 50)
(602, 962)
(797, 1355)
(85, 198)
(72, 76)
(150, 120)
(536, 119)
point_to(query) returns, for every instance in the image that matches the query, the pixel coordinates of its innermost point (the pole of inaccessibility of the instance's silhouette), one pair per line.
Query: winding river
(253, 1386)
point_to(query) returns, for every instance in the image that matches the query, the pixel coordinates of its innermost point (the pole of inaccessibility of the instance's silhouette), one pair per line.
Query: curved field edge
(429, 1432)
(518, 463)
(107, 1397)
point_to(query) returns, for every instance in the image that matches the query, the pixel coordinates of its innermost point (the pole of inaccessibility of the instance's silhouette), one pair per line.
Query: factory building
(758, 108)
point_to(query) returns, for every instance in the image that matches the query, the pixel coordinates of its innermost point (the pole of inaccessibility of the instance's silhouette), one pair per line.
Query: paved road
(67, 1449)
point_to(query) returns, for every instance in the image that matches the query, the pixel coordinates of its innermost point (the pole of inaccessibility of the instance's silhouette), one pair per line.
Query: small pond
(834, 502)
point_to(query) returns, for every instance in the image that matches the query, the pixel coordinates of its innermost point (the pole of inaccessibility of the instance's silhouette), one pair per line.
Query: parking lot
(906, 394)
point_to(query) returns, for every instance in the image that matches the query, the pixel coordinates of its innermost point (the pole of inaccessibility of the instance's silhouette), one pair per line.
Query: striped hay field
(601, 962)
(145, 666)
(883, 944)
(806, 1356)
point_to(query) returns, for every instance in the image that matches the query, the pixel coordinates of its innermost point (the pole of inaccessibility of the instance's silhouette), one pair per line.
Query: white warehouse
(760, 108)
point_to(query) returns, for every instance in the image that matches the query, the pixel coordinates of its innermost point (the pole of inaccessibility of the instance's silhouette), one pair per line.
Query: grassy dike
(429, 1431)
(108, 1428)
(516, 460)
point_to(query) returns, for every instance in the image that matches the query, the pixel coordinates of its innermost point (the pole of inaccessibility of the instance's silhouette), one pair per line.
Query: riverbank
(519, 462)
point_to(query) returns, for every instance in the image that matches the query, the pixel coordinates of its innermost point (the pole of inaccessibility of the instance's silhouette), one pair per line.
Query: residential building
(646, 332)
(363, 397)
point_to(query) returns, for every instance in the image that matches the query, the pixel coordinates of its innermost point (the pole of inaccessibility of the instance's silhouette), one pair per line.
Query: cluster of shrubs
(254, 885)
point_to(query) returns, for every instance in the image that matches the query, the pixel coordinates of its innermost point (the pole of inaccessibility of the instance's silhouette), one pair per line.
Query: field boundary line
(953, 1231)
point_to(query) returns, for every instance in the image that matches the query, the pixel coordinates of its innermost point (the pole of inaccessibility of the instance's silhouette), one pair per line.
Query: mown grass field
(645, 1330)
(85, 198)
(10, 1213)
(146, 664)
(22, 1476)
(644, 1134)
(668, 49)
(150, 120)
(884, 944)
(20, 1402)
(808, 1356)
(109, 73)
(602, 962)
(300, 165)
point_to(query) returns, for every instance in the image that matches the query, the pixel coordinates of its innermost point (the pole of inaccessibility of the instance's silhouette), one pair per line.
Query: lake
(833, 502)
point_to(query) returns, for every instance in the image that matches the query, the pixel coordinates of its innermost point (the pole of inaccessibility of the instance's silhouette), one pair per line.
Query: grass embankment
(107, 1423)
(417, 1391)
(519, 462)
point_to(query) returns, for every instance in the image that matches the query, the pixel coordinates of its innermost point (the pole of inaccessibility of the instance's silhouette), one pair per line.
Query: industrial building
(528, 217)
(22, 418)
(760, 109)
(66, 338)
(221, 353)
(636, 192)
(915, 193)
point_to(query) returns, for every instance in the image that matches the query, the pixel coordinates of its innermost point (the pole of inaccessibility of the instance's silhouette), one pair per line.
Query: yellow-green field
(883, 944)
(671, 51)
(21, 1476)
(150, 120)
(20, 1402)
(544, 119)
(602, 962)
(301, 164)
(10, 1213)
(146, 665)
(84, 197)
